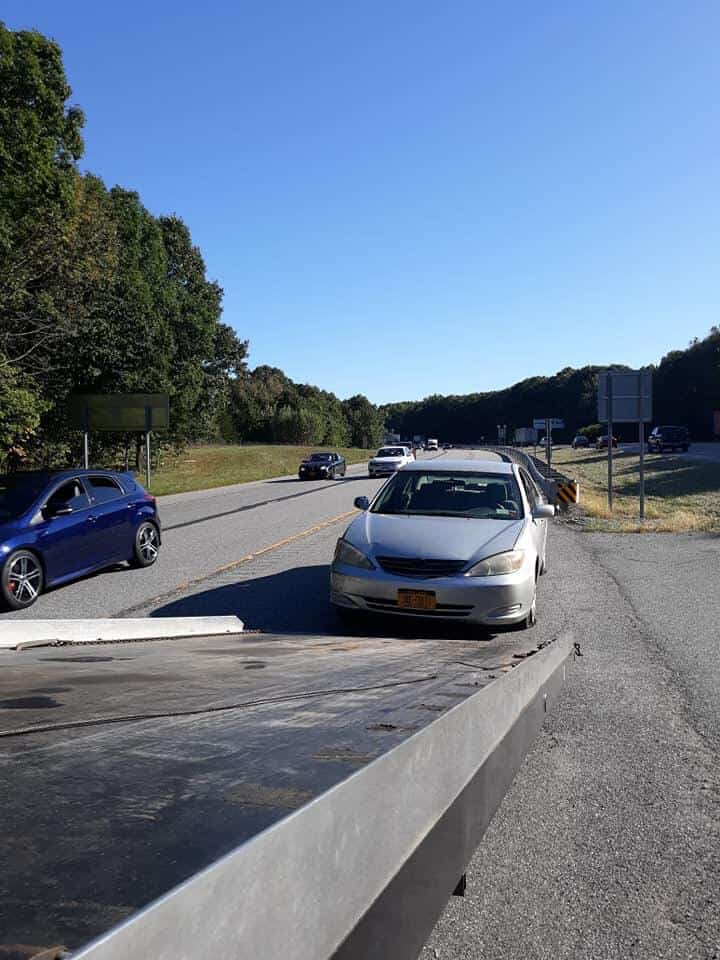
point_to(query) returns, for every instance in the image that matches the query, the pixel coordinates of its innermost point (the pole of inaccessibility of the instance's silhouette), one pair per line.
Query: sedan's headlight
(498, 565)
(346, 553)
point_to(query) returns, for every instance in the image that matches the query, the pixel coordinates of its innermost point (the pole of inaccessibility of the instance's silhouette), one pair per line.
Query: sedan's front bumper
(313, 474)
(489, 601)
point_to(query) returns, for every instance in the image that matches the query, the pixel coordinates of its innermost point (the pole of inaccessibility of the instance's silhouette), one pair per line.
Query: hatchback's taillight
(149, 498)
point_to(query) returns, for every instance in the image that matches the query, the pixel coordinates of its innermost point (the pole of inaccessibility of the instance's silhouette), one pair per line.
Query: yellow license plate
(417, 599)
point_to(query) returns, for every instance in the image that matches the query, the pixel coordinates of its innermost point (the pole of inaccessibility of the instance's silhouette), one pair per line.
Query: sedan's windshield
(391, 452)
(321, 456)
(458, 494)
(18, 493)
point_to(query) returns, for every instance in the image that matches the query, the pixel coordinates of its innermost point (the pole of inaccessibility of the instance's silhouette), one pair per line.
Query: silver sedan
(447, 539)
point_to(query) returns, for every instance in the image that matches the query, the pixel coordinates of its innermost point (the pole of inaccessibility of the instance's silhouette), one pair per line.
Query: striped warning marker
(568, 491)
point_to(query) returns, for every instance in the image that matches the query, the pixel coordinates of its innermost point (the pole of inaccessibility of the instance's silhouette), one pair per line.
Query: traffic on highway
(89, 529)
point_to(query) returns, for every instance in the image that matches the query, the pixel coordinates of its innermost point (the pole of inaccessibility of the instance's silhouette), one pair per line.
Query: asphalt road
(608, 843)
(697, 451)
(206, 532)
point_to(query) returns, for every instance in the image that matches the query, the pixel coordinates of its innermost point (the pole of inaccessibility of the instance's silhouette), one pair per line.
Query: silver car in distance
(449, 539)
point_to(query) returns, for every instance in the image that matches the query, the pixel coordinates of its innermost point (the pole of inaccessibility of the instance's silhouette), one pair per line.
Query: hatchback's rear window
(103, 489)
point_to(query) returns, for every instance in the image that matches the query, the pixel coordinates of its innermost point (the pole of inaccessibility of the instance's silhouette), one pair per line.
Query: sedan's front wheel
(531, 618)
(147, 545)
(22, 580)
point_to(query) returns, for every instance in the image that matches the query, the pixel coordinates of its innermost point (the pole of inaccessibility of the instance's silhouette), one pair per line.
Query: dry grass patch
(681, 495)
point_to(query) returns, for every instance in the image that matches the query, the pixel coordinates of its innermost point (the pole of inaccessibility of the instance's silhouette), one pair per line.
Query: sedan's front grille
(420, 568)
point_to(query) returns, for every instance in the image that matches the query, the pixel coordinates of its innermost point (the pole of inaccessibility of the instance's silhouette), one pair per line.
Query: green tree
(20, 411)
(365, 422)
(40, 143)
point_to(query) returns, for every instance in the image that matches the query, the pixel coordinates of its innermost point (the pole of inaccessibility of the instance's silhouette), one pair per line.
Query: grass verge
(680, 495)
(202, 468)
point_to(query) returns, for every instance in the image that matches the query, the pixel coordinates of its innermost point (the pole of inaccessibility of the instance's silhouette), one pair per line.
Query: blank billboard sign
(631, 396)
(127, 412)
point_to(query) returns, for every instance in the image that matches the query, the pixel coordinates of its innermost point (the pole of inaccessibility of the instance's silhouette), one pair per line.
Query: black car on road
(323, 466)
(668, 438)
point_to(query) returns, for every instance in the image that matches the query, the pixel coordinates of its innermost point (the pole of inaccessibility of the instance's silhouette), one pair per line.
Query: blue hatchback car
(56, 527)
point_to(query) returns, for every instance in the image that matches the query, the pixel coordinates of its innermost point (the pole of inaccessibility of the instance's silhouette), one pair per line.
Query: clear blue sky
(409, 197)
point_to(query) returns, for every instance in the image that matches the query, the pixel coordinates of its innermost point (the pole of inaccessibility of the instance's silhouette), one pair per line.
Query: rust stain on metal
(345, 756)
(258, 795)
(388, 727)
(23, 951)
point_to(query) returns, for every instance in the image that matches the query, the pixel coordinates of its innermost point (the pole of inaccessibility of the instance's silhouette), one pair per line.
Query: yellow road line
(195, 581)
(280, 543)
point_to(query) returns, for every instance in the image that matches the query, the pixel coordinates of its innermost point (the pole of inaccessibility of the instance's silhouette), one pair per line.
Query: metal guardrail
(365, 869)
(545, 483)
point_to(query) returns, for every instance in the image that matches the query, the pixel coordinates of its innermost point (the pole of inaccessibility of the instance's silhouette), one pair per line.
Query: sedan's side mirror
(362, 503)
(543, 511)
(57, 512)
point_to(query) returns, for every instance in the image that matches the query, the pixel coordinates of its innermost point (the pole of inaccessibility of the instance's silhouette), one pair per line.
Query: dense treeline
(97, 295)
(265, 405)
(686, 390)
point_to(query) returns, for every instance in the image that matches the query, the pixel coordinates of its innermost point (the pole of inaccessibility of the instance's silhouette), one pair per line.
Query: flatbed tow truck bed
(130, 768)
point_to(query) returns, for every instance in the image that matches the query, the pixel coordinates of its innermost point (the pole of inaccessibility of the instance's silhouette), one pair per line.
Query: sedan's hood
(447, 538)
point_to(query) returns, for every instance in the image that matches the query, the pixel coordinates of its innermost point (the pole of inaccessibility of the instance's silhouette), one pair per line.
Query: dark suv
(668, 438)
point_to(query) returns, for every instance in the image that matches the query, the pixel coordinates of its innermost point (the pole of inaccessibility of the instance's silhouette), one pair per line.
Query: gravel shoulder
(608, 843)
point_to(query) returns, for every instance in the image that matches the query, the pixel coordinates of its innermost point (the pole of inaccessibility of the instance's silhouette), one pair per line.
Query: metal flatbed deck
(129, 767)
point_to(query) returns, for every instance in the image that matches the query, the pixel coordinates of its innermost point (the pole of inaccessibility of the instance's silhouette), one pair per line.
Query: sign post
(548, 424)
(625, 397)
(148, 427)
(641, 436)
(86, 441)
(548, 444)
(610, 440)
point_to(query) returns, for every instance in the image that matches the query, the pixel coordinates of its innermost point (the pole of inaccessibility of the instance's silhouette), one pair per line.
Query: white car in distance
(388, 460)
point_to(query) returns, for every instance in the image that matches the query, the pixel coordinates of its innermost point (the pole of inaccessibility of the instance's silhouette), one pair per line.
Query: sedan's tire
(349, 616)
(531, 618)
(147, 545)
(22, 580)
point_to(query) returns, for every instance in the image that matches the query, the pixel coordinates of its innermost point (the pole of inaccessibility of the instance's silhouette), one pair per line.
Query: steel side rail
(513, 455)
(365, 869)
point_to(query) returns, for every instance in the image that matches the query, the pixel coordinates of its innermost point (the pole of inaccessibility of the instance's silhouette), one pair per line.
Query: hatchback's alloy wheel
(22, 579)
(147, 544)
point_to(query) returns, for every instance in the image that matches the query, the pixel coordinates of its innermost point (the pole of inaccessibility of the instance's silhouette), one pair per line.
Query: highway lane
(204, 531)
